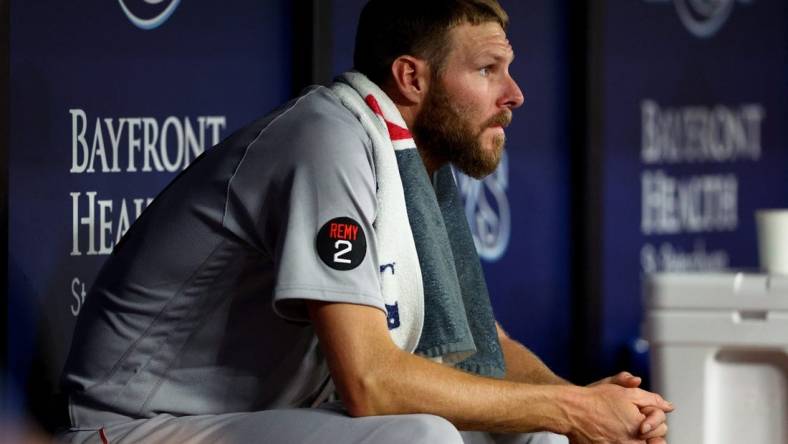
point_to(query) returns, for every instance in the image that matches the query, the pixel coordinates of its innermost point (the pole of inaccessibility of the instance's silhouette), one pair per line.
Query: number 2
(338, 255)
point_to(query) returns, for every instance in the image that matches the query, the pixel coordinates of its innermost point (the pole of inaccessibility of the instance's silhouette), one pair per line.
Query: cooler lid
(717, 290)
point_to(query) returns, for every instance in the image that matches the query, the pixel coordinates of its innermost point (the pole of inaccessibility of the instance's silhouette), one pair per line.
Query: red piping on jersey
(103, 436)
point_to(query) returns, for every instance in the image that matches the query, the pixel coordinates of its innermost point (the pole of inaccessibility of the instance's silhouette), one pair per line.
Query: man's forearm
(374, 377)
(524, 366)
(470, 402)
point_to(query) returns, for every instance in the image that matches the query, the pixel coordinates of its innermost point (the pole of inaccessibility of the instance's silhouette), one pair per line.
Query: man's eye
(485, 71)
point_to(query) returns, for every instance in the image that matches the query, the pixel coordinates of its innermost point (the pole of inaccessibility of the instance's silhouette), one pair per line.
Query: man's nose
(513, 97)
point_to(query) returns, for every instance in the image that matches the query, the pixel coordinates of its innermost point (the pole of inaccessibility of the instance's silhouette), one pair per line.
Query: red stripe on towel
(396, 132)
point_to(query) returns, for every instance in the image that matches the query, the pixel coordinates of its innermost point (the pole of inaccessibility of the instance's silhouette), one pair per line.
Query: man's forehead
(478, 38)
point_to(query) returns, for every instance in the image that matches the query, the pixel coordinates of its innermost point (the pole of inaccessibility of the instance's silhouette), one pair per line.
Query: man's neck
(409, 112)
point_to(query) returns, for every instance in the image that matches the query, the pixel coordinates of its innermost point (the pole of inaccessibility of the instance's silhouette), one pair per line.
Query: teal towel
(458, 318)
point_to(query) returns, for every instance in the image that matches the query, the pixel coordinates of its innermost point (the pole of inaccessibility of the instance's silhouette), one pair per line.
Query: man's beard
(443, 134)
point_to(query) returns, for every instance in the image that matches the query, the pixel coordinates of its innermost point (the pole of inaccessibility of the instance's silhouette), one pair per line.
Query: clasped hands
(624, 414)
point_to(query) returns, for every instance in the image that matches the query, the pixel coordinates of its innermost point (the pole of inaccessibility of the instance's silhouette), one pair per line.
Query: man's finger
(654, 417)
(648, 399)
(656, 441)
(626, 379)
(658, 432)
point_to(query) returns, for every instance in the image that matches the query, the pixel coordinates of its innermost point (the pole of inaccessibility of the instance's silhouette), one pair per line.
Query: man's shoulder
(314, 128)
(317, 111)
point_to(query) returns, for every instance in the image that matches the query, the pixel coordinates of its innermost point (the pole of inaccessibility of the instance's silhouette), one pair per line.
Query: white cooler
(719, 352)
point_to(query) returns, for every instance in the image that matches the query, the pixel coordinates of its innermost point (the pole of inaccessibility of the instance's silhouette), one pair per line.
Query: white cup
(772, 226)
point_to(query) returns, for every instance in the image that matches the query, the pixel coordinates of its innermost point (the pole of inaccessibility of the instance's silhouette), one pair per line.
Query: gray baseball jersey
(199, 310)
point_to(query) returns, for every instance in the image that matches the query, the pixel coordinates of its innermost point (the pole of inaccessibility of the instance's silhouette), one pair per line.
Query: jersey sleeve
(305, 194)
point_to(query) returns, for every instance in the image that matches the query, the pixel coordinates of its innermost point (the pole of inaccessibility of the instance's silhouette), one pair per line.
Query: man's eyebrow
(498, 54)
(504, 57)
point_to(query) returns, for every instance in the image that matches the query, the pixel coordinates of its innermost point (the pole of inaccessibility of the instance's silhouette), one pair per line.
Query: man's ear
(410, 77)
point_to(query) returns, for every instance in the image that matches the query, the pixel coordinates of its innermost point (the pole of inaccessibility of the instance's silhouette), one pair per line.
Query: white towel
(400, 278)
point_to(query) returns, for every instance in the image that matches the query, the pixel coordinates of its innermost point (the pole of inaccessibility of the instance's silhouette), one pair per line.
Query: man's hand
(624, 379)
(653, 428)
(618, 415)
